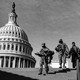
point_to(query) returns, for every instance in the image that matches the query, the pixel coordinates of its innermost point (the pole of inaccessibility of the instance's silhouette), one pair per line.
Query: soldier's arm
(67, 47)
(70, 52)
(78, 53)
(57, 48)
(41, 52)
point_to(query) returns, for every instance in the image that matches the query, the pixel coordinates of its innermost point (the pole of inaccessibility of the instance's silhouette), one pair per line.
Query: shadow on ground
(10, 76)
(61, 71)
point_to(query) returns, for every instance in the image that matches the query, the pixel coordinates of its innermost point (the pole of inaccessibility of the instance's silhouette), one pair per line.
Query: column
(14, 61)
(0, 61)
(9, 63)
(14, 47)
(10, 46)
(4, 63)
(23, 63)
(18, 47)
(19, 63)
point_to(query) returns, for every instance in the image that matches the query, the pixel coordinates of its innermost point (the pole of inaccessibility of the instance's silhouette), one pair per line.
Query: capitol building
(15, 49)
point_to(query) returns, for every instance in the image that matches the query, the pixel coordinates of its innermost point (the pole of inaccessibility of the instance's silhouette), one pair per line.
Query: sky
(45, 21)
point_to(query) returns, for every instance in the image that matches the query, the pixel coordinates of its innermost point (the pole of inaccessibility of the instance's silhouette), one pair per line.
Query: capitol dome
(15, 49)
(13, 31)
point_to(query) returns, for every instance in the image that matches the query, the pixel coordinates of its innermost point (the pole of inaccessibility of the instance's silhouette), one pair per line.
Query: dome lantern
(13, 16)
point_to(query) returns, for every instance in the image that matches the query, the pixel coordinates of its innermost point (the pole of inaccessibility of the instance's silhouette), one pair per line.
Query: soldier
(74, 54)
(44, 59)
(78, 65)
(63, 51)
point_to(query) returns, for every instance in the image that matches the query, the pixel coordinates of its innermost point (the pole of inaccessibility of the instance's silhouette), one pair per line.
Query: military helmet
(73, 42)
(60, 41)
(43, 44)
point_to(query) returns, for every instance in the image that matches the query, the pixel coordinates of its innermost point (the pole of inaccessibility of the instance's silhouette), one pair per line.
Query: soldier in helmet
(44, 59)
(63, 51)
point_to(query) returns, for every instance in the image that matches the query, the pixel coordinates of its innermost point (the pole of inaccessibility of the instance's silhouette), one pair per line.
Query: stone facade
(15, 49)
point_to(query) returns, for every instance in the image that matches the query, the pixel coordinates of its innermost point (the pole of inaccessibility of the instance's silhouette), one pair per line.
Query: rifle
(49, 55)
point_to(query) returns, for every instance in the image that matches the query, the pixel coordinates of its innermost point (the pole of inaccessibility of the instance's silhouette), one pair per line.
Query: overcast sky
(45, 21)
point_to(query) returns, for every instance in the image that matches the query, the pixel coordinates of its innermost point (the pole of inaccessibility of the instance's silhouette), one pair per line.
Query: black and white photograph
(40, 39)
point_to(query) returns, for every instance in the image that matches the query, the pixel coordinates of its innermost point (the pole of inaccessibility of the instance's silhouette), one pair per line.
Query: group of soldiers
(63, 52)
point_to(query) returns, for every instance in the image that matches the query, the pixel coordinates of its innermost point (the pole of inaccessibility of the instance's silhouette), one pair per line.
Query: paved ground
(32, 74)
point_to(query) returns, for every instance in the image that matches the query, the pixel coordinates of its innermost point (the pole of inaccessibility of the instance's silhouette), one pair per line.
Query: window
(16, 39)
(12, 47)
(4, 38)
(0, 38)
(8, 38)
(16, 47)
(10, 32)
(12, 39)
(8, 47)
(16, 34)
(0, 47)
(13, 32)
(23, 49)
(20, 48)
(6, 32)
(4, 46)
(26, 50)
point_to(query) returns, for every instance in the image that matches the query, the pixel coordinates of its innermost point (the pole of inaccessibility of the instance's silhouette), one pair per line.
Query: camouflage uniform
(44, 60)
(63, 51)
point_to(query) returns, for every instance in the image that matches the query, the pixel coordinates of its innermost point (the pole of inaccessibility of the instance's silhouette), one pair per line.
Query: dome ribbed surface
(11, 30)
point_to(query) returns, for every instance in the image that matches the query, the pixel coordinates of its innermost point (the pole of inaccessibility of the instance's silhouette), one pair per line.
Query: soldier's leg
(46, 67)
(60, 60)
(78, 69)
(64, 61)
(74, 63)
(41, 68)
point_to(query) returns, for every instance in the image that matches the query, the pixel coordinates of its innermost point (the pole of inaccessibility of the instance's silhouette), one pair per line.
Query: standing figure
(44, 59)
(74, 54)
(78, 66)
(63, 51)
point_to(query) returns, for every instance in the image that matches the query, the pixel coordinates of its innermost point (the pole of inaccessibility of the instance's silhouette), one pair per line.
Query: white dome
(14, 45)
(12, 31)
